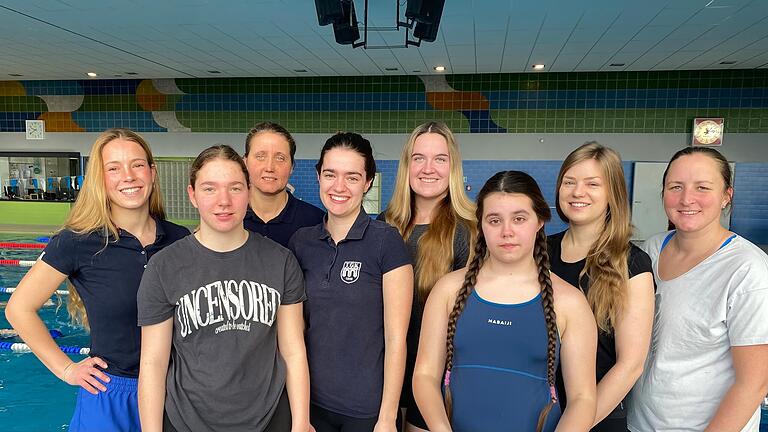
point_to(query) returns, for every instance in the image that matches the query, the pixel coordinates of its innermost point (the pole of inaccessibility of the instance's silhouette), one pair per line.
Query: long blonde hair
(435, 253)
(91, 211)
(606, 264)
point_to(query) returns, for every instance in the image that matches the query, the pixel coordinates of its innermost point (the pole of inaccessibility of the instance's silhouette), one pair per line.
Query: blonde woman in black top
(433, 214)
(595, 255)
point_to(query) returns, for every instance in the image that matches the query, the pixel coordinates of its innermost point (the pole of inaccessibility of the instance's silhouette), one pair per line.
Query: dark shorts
(280, 422)
(116, 409)
(412, 413)
(611, 425)
(328, 421)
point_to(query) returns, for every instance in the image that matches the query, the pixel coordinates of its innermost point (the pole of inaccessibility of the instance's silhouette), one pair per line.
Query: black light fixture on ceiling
(423, 16)
(426, 14)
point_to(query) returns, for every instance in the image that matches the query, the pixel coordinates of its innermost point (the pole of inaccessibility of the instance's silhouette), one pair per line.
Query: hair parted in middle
(91, 211)
(273, 128)
(516, 182)
(435, 252)
(606, 264)
(354, 142)
(218, 151)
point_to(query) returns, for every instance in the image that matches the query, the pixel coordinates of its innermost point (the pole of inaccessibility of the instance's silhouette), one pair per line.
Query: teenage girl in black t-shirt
(595, 254)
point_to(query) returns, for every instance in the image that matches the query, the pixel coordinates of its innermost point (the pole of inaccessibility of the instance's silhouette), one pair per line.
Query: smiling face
(509, 226)
(269, 162)
(583, 193)
(695, 193)
(128, 177)
(343, 182)
(220, 194)
(430, 166)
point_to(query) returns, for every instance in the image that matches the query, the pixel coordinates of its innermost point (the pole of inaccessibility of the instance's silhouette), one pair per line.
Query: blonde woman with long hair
(115, 226)
(435, 218)
(595, 255)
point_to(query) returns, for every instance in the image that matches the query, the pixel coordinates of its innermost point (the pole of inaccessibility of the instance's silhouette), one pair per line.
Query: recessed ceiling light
(300, 70)
(391, 69)
(728, 62)
(214, 72)
(617, 64)
(92, 74)
(416, 70)
(439, 68)
(131, 73)
(15, 74)
(538, 66)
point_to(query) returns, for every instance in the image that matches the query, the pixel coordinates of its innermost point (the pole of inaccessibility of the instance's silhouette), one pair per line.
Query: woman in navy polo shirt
(115, 226)
(273, 211)
(359, 284)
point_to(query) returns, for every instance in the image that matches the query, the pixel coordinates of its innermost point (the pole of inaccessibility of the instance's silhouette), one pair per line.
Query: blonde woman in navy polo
(359, 284)
(115, 226)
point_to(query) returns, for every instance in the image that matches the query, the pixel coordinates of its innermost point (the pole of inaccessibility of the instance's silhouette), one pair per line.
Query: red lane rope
(16, 263)
(11, 245)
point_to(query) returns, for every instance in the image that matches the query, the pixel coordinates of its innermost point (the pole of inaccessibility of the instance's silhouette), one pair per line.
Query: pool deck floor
(28, 229)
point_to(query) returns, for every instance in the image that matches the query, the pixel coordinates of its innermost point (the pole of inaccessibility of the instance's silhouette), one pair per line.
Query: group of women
(439, 315)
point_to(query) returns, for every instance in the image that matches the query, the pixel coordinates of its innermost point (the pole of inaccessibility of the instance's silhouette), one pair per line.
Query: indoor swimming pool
(31, 398)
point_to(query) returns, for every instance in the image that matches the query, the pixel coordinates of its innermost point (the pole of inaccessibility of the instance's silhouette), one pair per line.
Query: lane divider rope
(13, 245)
(17, 263)
(10, 290)
(24, 348)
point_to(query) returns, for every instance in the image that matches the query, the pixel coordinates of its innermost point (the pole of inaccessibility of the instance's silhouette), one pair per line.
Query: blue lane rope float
(10, 290)
(11, 333)
(24, 348)
(43, 239)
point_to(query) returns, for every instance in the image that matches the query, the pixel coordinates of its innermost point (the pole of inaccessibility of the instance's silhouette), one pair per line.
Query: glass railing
(41, 188)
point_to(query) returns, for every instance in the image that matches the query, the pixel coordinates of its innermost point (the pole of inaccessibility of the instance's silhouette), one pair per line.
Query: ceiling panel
(56, 39)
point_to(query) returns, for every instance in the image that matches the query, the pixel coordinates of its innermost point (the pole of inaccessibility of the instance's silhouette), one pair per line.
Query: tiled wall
(750, 204)
(620, 102)
(625, 102)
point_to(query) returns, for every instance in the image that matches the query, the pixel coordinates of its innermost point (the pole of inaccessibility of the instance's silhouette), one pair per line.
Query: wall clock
(707, 131)
(35, 129)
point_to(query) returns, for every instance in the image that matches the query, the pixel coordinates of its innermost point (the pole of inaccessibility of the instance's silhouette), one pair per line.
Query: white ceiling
(64, 39)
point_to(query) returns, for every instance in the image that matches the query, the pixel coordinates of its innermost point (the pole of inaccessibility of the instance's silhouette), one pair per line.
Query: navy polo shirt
(296, 214)
(344, 312)
(107, 274)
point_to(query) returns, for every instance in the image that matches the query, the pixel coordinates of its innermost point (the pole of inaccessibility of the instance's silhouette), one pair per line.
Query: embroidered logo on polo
(350, 271)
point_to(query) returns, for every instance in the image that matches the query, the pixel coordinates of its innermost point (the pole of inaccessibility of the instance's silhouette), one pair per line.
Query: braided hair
(522, 183)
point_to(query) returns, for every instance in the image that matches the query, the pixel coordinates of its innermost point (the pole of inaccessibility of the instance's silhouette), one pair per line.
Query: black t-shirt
(638, 262)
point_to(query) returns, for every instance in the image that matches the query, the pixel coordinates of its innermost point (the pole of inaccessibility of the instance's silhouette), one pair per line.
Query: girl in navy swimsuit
(506, 322)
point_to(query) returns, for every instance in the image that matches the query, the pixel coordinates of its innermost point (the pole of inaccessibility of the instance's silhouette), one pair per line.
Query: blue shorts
(116, 410)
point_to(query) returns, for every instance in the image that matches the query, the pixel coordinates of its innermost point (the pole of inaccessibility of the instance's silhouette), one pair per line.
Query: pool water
(31, 398)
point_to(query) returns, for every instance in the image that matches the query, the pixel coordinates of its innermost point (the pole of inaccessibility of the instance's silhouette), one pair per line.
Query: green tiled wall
(616, 102)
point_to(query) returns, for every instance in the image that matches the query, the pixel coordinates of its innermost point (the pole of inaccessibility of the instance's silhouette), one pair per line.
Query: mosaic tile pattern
(618, 102)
